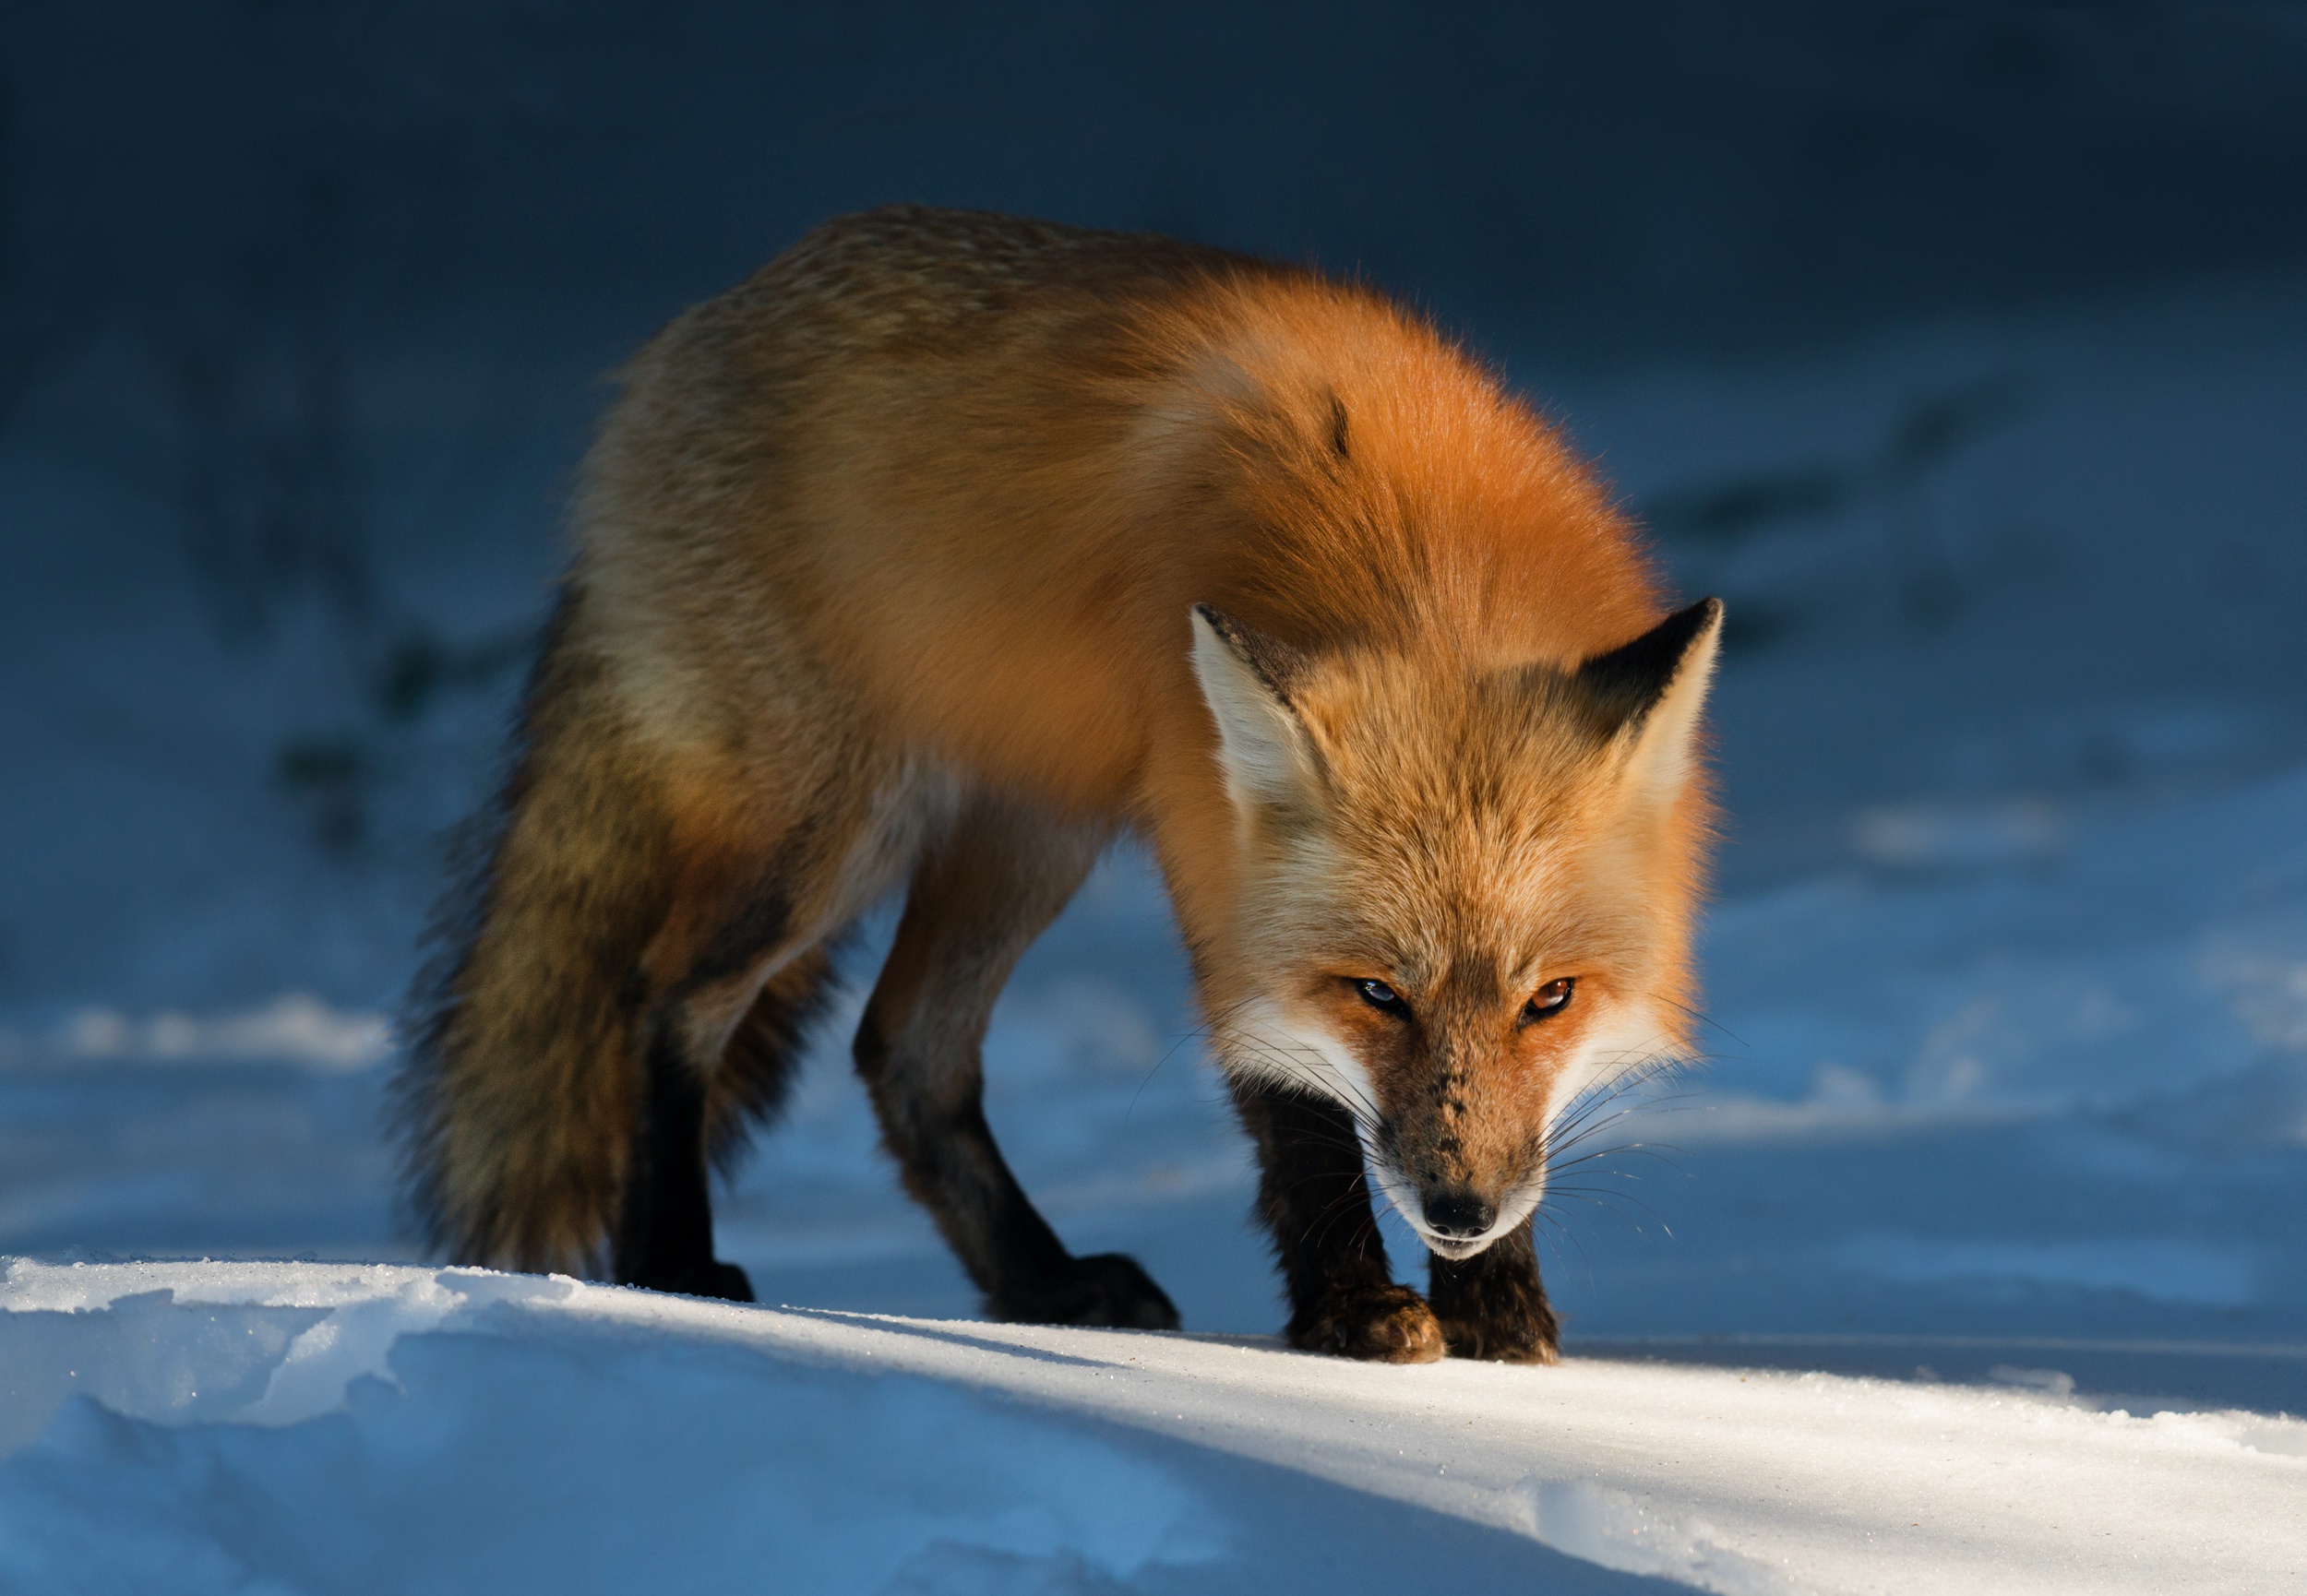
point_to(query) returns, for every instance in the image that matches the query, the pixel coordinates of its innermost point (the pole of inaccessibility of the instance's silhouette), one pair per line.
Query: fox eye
(1551, 998)
(1383, 998)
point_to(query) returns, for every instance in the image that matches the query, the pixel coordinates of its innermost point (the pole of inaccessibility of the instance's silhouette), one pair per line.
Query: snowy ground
(321, 1427)
(1974, 1256)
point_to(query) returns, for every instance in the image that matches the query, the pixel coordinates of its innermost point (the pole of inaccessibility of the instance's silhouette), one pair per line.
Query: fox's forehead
(1503, 744)
(1459, 896)
(1470, 811)
(1472, 824)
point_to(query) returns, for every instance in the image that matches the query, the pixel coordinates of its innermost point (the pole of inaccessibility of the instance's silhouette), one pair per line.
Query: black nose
(1461, 1216)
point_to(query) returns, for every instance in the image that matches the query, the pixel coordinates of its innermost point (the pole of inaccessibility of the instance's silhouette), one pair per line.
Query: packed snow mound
(318, 1427)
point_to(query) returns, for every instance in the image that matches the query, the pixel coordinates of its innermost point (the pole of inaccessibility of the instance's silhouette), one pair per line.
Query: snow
(407, 1429)
(295, 1027)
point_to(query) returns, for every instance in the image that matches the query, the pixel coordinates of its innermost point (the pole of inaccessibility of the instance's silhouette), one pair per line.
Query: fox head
(1467, 894)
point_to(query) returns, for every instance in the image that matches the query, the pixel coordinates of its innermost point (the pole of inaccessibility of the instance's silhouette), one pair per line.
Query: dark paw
(1380, 1324)
(1503, 1341)
(1107, 1289)
(714, 1279)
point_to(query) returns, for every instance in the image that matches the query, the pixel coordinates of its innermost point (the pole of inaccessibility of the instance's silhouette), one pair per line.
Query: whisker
(1557, 1233)
(1706, 1020)
(1304, 1071)
(1602, 1199)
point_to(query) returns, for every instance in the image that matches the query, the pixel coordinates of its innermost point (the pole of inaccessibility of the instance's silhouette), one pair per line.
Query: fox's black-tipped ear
(1278, 666)
(1630, 682)
(1655, 685)
(1245, 679)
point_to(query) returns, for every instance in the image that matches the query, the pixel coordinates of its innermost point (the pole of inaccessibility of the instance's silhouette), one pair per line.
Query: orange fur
(911, 523)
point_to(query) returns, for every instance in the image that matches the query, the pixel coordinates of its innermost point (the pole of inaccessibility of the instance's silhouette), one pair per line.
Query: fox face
(1466, 895)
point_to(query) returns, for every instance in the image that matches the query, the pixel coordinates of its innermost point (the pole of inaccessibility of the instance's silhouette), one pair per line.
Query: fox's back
(974, 471)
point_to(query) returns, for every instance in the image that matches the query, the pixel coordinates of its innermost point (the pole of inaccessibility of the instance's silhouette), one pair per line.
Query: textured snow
(236, 1426)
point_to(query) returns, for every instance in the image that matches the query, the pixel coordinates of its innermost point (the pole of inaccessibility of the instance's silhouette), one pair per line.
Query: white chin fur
(1264, 1044)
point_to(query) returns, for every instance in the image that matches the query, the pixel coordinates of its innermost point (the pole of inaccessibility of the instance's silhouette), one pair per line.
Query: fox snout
(1459, 1198)
(1457, 1222)
(1459, 1215)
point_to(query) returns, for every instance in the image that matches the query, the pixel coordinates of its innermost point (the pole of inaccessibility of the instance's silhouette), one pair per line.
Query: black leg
(1314, 1197)
(665, 1237)
(952, 1165)
(978, 901)
(1493, 1305)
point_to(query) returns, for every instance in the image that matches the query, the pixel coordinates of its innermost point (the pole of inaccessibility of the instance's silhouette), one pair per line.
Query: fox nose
(1459, 1216)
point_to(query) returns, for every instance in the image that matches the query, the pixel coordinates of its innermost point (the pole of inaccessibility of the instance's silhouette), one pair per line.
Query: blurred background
(1963, 349)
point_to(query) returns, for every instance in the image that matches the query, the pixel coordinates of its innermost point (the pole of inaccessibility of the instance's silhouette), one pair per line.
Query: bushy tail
(755, 1070)
(517, 1099)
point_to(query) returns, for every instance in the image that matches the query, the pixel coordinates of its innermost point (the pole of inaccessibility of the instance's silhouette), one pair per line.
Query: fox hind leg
(721, 1044)
(667, 1230)
(979, 897)
(664, 1232)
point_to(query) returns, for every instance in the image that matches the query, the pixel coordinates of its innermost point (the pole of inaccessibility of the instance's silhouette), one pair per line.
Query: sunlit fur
(905, 532)
(1464, 833)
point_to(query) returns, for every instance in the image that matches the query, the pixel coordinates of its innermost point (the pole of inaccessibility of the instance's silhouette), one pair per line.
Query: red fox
(943, 551)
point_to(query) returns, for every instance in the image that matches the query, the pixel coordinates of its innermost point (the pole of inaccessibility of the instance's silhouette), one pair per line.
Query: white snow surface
(329, 1427)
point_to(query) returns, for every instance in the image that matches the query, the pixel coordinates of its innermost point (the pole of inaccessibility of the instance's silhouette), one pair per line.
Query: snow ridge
(463, 1427)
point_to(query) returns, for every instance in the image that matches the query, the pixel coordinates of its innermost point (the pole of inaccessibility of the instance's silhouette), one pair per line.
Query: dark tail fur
(518, 1101)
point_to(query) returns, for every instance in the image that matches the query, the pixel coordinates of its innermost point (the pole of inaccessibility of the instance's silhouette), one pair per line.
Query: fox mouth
(1455, 1251)
(1513, 1211)
(1459, 1248)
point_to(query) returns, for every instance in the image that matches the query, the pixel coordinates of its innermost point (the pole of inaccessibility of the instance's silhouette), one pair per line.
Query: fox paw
(1493, 1305)
(1379, 1324)
(1107, 1289)
(1503, 1339)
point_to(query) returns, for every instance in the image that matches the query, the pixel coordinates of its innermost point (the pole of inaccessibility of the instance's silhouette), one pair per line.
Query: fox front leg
(1315, 1199)
(1493, 1305)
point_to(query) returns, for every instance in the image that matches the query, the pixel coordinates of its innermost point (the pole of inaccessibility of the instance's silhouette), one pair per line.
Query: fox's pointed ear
(1654, 687)
(1246, 678)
